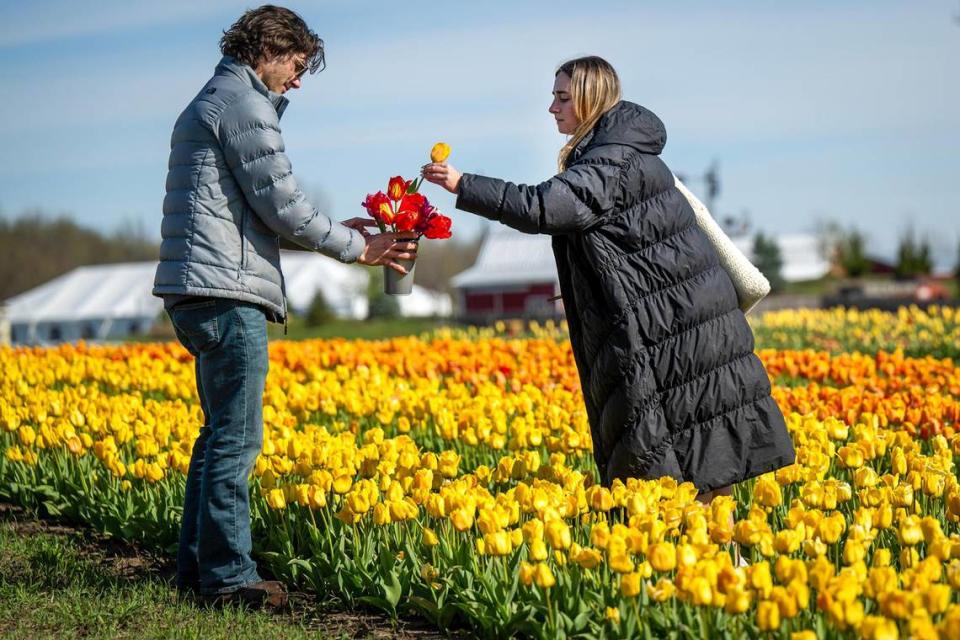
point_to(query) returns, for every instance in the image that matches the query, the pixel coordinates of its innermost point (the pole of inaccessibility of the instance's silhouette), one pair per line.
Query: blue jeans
(228, 338)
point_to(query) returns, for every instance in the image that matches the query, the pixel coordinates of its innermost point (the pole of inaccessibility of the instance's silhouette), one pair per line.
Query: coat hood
(630, 124)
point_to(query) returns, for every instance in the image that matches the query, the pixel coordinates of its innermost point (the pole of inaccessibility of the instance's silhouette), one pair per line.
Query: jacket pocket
(196, 325)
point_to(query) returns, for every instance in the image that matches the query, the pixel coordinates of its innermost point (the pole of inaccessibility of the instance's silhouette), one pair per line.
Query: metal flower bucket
(396, 284)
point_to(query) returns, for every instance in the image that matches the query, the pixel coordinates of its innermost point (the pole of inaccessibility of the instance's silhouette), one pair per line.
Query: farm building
(515, 276)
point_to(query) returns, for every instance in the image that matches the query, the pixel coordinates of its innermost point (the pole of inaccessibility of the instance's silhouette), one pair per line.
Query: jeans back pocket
(196, 325)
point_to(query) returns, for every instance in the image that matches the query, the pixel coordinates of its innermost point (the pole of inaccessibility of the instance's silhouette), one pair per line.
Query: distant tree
(439, 260)
(319, 312)
(767, 257)
(956, 269)
(913, 256)
(850, 254)
(380, 304)
(36, 247)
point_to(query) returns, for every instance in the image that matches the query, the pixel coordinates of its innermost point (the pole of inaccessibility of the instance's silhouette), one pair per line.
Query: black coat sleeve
(574, 200)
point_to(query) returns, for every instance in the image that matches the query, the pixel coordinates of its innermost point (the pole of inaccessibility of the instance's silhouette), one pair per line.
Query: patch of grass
(52, 587)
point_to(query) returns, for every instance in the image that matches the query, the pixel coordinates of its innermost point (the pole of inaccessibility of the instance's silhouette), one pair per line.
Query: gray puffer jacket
(231, 198)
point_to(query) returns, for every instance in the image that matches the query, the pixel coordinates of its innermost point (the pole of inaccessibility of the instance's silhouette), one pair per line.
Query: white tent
(425, 303)
(344, 287)
(96, 303)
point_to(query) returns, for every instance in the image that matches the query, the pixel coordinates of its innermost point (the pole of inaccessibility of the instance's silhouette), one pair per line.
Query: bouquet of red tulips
(403, 209)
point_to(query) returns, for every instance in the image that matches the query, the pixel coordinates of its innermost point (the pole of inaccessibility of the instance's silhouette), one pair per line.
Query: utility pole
(712, 181)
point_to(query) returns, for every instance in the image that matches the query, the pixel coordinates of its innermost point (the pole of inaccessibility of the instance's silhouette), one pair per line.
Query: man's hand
(442, 174)
(387, 248)
(360, 224)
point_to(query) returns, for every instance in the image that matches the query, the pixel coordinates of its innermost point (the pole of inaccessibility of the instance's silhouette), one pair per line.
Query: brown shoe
(266, 594)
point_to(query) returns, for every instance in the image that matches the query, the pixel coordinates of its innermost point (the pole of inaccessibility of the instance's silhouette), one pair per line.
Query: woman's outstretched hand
(442, 174)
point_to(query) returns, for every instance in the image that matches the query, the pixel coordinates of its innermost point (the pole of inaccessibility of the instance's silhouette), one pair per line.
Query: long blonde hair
(594, 89)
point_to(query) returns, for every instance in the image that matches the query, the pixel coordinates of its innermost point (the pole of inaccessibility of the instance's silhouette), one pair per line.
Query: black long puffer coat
(665, 356)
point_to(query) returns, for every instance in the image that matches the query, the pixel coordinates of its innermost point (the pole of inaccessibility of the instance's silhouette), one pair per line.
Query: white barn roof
(509, 257)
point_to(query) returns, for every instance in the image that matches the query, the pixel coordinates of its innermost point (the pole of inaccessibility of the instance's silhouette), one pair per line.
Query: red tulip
(386, 213)
(397, 188)
(373, 201)
(412, 202)
(407, 219)
(378, 206)
(438, 227)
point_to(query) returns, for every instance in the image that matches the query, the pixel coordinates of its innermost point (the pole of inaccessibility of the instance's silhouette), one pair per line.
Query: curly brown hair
(268, 32)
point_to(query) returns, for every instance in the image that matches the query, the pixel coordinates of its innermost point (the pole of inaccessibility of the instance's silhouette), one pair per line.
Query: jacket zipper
(243, 244)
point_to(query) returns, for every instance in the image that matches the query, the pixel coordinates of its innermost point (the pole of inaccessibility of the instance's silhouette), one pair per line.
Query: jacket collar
(229, 66)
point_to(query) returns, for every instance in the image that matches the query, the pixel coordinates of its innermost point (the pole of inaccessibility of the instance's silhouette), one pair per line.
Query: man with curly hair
(232, 202)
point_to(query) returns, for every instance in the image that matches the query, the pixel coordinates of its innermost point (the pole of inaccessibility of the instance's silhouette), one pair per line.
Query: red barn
(514, 276)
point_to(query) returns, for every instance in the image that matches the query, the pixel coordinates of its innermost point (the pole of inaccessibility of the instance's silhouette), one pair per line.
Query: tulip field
(450, 477)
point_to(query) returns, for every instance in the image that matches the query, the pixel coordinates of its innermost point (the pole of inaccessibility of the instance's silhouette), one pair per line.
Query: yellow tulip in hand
(440, 152)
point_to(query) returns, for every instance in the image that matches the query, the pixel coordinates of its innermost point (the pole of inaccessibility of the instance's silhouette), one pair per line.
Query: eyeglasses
(300, 67)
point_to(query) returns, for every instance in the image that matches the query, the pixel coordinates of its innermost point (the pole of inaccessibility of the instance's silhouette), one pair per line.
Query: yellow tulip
(462, 519)
(275, 499)
(621, 563)
(937, 598)
(526, 573)
(910, 532)
(663, 590)
(543, 577)
(759, 578)
(498, 543)
(768, 616)
(767, 492)
(662, 556)
(630, 585)
(701, 592)
(588, 558)
(851, 457)
(430, 538)
(879, 628)
(537, 550)
(439, 152)
(558, 534)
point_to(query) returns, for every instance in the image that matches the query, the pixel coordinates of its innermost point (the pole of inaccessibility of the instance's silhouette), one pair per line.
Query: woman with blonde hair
(665, 356)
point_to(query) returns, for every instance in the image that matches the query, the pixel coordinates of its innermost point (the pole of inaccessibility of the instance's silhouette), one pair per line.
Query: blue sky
(815, 111)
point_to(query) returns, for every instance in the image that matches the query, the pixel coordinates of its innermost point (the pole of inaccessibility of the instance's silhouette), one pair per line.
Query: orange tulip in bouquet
(402, 209)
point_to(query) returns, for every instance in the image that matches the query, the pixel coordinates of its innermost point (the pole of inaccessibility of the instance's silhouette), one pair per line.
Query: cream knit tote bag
(751, 285)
